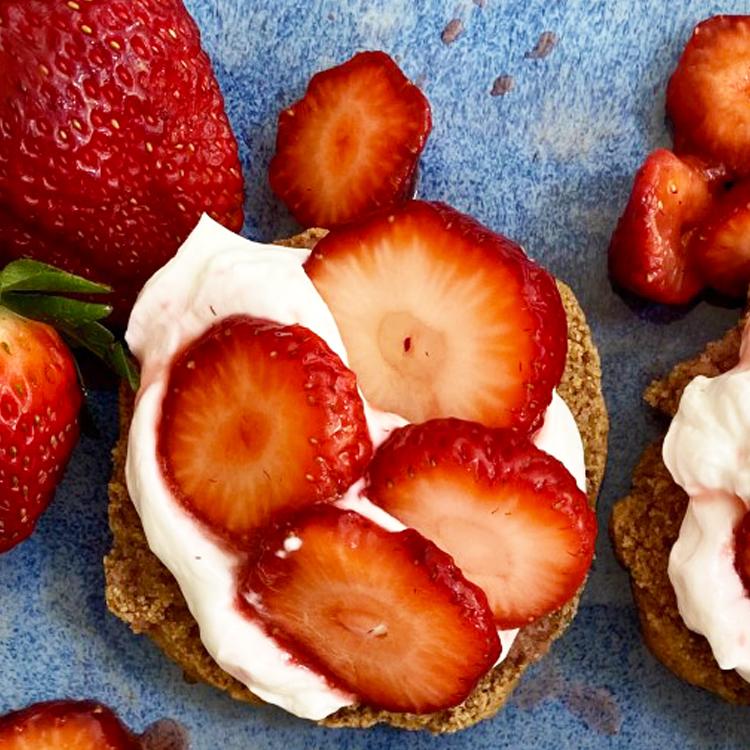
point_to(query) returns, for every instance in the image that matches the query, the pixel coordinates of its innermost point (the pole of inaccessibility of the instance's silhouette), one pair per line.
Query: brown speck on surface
(453, 29)
(479, 3)
(544, 45)
(166, 734)
(502, 85)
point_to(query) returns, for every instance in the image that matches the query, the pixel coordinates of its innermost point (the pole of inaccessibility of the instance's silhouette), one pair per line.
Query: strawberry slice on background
(721, 246)
(707, 95)
(257, 418)
(352, 143)
(65, 725)
(40, 393)
(386, 616)
(649, 253)
(114, 138)
(442, 317)
(510, 515)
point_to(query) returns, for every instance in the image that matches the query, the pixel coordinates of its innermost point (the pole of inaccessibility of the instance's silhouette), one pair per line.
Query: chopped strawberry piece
(352, 143)
(742, 550)
(510, 515)
(649, 251)
(258, 418)
(386, 616)
(721, 247)
(443, 317)
(707, 95)
(65, 725)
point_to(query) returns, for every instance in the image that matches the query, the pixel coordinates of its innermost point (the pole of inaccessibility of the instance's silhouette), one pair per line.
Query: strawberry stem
(31, 289)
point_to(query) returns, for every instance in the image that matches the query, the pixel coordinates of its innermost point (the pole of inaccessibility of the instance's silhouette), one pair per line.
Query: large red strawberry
(40, 395)
(113, 138)
(443, 317)
(707, 95)
(721, 246)
(65, 725)
(510, 515)
(649, 253)
(384, 615)
(352, 143)
(259, 418)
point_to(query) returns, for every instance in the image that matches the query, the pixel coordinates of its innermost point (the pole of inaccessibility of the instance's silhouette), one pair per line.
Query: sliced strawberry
(721, 247)
(442, 317)
(707, 95)
(742, 550)
(510, 515)
(65, 725)
(648, 253)
(259, 417)
(386, 616)
(352, 143)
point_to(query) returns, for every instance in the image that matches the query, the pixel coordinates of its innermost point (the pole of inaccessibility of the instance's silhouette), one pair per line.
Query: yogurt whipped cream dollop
(217, 273)
(707, 451)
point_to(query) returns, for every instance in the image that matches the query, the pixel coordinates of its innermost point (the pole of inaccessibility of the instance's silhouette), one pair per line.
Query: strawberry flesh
(65, 725)
(708, 95)
(742, 551)
(721, 246)
(442, 317)
(649, 253)
(352, 143)
(386, 616)
(510, 515)
(114, 138)
(40, 399)
(259, 418)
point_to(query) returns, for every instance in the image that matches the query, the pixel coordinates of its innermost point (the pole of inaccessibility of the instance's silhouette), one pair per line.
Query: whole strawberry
(113, 138)
(40, 393)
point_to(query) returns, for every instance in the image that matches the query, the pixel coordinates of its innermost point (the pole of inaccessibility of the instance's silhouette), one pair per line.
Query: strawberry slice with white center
(352, 143)
(721, 248)
(65, 725)
(258, 418)
(386, 616)
(442, 317)
(510, 515)
(707, 95)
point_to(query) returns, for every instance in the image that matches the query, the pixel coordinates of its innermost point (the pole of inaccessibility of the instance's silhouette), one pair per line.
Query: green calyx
(33, 290)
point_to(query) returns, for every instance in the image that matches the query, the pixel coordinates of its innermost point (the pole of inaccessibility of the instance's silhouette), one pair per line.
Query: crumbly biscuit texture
(645, 525)
(140, 590)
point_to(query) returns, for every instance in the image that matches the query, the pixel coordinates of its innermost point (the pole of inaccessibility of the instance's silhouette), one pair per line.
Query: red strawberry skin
(65, 725)
(352, 143)
(649, 253)
(40, 399)
(721, 246)
(742, 550)
(442, 316)
(707, 98)
(386, 616)
(510, 515)
(114, 138)
(259, 418)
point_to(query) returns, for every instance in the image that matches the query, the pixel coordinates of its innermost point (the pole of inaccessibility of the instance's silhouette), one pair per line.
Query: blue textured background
(549, 164)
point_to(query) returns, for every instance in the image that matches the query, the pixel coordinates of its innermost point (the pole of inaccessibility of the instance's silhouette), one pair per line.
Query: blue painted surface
(550, 165)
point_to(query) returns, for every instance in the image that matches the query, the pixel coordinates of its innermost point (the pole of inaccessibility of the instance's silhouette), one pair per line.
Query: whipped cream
(707, 452)
(217, 273)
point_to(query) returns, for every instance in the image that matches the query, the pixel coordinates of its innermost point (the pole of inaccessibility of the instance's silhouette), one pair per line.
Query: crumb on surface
(502, 85)
(546, 42)
(453, 29)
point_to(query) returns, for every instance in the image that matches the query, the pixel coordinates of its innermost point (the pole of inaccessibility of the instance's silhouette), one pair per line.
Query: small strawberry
(65, 725)
(707, 94)
(40, 395)
(510, 515)
(721, 246)
(113, 138)
(442, 317)
(649, 251)
(386, 616)
(352, 143)
(271, 412)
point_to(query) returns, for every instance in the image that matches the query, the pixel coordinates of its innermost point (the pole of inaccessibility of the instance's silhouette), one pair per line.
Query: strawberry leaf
(31, 275)
(55, 310)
